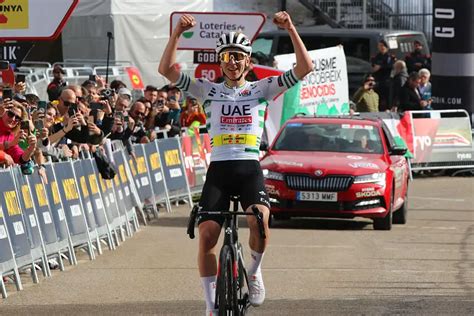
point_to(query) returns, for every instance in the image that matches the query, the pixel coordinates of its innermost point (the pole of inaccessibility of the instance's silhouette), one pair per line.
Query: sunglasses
(140, 114)
(236, 56)
(13, 116)
(68, 104)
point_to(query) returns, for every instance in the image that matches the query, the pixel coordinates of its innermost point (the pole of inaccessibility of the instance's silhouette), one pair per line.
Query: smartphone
(172, 98)
(4, 65)
(42, 106)
(39, 125)
(72, 110)
(96, 106)
(7, 93)
(25, 125)
(119, 115)
(20, 78)
(125, 118)
(92, 78)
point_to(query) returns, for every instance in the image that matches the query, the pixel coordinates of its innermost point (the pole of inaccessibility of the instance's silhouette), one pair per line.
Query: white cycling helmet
(235, 40)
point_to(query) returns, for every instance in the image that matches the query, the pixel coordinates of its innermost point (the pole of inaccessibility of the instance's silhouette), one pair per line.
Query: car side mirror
(264, 146)
(398, 151)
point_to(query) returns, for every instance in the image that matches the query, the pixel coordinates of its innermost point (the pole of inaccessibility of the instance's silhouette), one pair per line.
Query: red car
(341, 167)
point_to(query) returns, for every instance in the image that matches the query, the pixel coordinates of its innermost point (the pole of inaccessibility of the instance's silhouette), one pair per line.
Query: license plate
(317, 196)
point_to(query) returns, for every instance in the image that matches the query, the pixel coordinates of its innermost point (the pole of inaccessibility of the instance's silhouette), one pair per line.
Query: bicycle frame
(236, 275)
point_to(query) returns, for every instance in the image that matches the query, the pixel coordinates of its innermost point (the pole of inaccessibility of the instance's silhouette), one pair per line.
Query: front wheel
(226, 293)
(385, 223)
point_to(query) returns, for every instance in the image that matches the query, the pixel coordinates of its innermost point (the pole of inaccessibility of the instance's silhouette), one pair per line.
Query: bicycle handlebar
(256, 212)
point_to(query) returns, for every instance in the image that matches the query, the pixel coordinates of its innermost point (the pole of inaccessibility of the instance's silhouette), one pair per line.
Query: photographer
(365, 98)
(43, 122)
(73, 125)
(57, 84)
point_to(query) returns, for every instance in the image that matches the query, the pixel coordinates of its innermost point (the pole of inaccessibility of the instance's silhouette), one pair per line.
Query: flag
(135, 78)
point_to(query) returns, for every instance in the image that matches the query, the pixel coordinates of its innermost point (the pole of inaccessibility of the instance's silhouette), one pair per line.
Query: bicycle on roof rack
(232, 296)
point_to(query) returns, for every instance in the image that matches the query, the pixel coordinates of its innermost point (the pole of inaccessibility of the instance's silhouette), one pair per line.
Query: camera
(107, 94)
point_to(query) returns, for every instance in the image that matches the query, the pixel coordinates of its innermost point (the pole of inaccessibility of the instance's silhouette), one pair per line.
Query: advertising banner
(172, 166)
(13, 215)
(442, 139)
(325, 90)
(211, 25)
(57, 212)
(156, 175)
(139, 165)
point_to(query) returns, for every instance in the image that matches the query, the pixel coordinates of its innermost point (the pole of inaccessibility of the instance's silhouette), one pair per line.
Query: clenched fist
(282, 20)
(186, 21)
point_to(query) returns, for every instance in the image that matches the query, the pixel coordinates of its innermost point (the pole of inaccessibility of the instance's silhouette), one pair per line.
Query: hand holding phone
(7, 94)
(25, 125)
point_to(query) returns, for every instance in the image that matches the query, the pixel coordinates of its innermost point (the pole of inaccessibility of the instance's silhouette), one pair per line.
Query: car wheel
(400, 215)
(385, 223)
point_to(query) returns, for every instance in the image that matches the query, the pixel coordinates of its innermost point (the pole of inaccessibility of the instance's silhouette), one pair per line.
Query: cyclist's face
(234, 62)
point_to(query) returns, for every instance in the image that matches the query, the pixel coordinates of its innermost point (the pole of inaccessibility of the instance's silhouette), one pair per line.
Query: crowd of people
(82, 117)
(396, 85)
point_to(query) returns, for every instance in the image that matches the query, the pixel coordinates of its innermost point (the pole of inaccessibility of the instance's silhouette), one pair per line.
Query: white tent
(140, 29)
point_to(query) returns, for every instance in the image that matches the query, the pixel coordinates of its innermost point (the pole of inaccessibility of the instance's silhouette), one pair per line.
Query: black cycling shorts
(228, 178)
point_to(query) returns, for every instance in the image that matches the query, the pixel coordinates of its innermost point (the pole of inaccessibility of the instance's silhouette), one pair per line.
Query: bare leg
(209, 232)
(256, 242)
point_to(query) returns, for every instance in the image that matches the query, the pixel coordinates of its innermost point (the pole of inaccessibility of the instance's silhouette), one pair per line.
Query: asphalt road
(312, 267)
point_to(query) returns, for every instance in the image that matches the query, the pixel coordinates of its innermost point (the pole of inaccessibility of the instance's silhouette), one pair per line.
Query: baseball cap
(125, 91)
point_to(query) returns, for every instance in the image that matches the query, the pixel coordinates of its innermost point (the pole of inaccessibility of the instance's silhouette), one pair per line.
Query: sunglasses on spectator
(80, 99)
(68, 104)
(140, 114)
(236, 56)
(13, 116)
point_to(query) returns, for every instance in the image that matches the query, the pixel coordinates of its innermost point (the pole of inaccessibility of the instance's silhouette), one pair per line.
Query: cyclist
(235, 112)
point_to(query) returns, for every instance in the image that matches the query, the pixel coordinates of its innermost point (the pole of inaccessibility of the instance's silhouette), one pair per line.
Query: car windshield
(345, 138)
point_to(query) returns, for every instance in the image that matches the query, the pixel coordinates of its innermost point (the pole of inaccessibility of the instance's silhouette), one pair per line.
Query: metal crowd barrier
(71, 207)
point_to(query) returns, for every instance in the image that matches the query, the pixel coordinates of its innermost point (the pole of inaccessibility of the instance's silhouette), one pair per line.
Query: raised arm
(304, 64)
(168, 59)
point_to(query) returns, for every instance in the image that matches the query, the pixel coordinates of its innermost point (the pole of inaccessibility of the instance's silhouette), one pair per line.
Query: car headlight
(268, 174)
(377, 178)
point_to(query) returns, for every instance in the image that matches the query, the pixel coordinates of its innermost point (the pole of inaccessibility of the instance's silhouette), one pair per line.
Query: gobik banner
(139, 168)
(7, 261)
(173, 169)
(156, 175)
(57, 211)
(90, 185)
(30, 219)
(73, 210)
(15, 224)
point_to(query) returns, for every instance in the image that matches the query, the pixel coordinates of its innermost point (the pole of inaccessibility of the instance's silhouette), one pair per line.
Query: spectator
(125, 93)
(122, 104)
(365, 98)
(137, 113)
(361, 141)
(416, 60)
(398, 78)
(151, 94)
(11, 134)
(57, 84)
(81, 131)
(117, 85)
(382, 64)
(425, 85)
(47, 148)
(192, 113)
(410, 97)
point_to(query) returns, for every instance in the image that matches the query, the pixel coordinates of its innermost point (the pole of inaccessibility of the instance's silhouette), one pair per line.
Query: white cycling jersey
(235, 116)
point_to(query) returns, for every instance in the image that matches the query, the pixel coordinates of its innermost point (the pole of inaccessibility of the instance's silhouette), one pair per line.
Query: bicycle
(232, 279)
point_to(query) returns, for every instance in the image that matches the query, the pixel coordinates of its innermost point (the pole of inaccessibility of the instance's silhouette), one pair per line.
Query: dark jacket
(417, 57)
(409, 99)
(80, 136)
(396, 84)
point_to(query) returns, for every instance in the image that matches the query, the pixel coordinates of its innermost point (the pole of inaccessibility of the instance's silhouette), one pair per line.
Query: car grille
(328, 183)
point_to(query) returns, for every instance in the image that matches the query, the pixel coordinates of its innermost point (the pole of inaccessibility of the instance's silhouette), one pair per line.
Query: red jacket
(6, 135)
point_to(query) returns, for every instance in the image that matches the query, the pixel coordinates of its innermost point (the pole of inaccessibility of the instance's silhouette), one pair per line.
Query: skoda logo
(318, 173)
